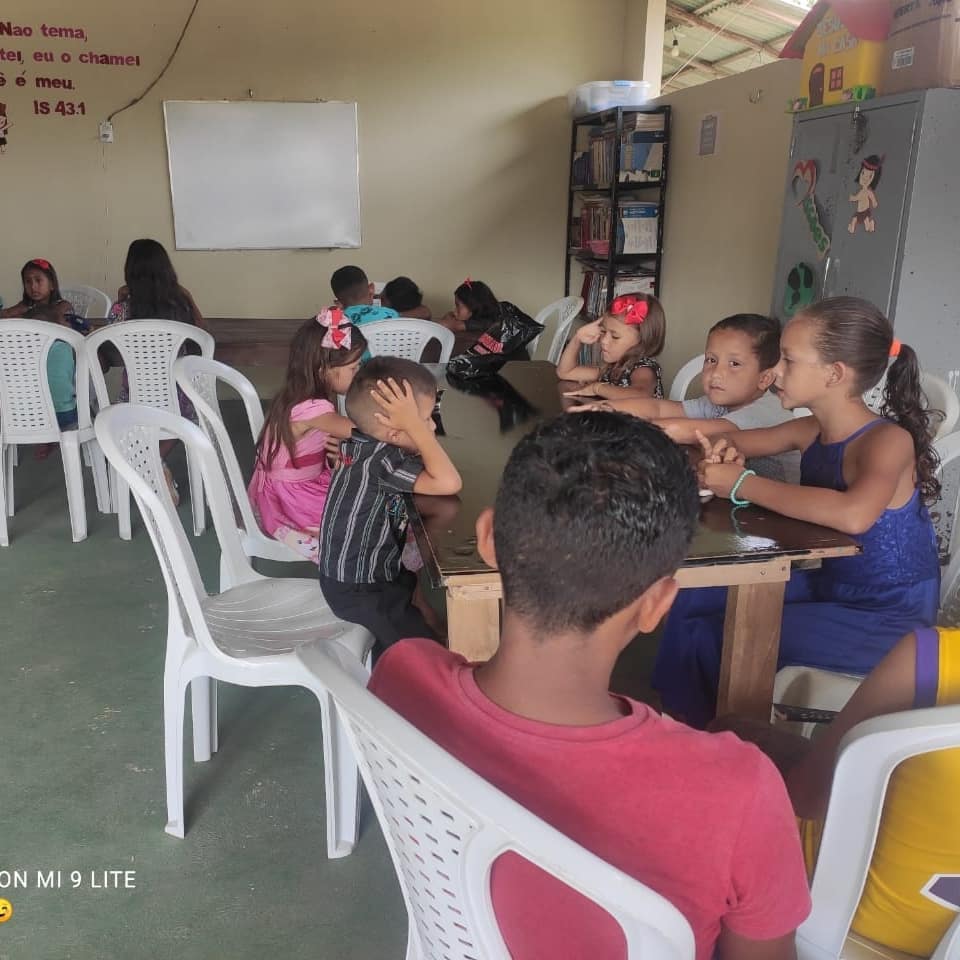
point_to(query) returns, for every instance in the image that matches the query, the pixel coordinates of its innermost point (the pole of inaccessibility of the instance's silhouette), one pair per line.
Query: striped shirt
(364, 519)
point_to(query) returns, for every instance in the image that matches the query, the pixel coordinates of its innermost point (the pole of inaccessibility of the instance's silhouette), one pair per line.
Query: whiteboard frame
(356, 133)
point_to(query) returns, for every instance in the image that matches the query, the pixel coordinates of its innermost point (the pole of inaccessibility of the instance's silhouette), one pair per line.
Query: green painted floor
(81, 773)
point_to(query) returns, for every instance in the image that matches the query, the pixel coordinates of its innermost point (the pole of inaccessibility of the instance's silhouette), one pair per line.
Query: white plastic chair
(197, 377)
(27, 416)
(940, 396)
(557, 319)
(407, 338)
(445, 826)
(247, 635)
(148, 349)
(88, 302)
(685, 376)
(868, 756)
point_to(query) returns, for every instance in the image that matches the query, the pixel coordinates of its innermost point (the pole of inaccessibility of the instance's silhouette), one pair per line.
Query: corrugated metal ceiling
(717, 38)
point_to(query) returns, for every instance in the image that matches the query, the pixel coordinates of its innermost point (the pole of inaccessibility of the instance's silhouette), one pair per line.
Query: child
(702, 819)
(152, 291)
(41, 300)
(865, 475)
(393, 451)
(631, 333)
(404, 296)
(739, 364)
(291, 475)
(919, 835)
(354, 293)
(476, 309)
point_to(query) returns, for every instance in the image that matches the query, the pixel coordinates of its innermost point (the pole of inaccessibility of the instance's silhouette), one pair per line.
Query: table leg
(751, 643)
(473, 621)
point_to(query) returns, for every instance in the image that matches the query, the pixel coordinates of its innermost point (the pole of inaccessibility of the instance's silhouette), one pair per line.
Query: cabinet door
(816, 174)
(865, 249)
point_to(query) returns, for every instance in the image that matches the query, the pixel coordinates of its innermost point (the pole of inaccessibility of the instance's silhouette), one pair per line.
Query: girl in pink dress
(291, 475)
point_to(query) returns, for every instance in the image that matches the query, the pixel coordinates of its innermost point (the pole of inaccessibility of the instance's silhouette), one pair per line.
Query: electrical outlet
(106, 131)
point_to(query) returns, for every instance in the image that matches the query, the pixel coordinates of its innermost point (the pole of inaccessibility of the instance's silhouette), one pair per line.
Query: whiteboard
(259, 175)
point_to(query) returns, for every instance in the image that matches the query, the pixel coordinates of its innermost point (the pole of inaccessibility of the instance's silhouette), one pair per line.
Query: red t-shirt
(703, 819)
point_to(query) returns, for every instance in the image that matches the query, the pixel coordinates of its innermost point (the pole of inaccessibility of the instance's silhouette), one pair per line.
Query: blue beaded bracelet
(734, 499)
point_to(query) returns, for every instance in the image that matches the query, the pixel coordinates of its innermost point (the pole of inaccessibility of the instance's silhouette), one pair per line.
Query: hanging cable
(716, 33)
(159, 76)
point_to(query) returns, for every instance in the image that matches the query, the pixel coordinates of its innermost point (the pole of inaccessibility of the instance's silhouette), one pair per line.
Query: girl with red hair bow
(291, 474)
(630, 334)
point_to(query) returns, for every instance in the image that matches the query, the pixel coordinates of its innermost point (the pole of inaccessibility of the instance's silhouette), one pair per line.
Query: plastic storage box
(604, 94)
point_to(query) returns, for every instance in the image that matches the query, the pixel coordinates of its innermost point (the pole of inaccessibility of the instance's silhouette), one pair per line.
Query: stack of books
(641, 154)
(627, 280)
(636, 226)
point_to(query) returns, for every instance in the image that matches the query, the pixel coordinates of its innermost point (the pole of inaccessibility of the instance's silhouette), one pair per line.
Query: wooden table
(749, 551)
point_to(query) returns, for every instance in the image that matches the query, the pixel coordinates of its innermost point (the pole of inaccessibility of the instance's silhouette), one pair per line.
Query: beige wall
(464, 137)
(723, 212)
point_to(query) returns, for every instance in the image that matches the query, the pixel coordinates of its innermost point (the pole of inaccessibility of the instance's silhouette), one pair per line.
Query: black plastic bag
(504, 340)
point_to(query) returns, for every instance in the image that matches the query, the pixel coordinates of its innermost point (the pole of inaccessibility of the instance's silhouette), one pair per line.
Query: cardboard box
(923, 49)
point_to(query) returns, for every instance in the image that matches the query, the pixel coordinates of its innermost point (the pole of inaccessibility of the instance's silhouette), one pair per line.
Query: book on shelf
(635, 227)
(594, 288)
(641, 153)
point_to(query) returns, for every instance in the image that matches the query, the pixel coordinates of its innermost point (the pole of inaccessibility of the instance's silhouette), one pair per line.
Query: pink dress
(288, 498)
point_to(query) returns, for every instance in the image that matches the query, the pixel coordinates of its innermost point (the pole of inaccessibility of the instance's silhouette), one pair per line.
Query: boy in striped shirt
(393, 451)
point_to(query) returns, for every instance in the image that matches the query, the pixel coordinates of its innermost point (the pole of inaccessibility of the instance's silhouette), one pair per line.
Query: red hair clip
(468, 283)
(42, 264)
(895, 349)
(632, 310)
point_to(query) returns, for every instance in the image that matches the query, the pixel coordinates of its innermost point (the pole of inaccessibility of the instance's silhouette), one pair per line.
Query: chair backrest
(129, 435)
(407, 338)
(685, 376)
(443, 850)
(197, 377)
(148, 349)
(948, 450)
(873, 397)
(87, 301)
(27, 414)
(868, 755)
(943, 398)
(557, 319)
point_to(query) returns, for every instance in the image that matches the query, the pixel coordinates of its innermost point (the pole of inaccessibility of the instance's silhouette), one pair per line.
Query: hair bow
(468, 283)
(42, 264)
(632, 310)
(338, 335)
(895, 349)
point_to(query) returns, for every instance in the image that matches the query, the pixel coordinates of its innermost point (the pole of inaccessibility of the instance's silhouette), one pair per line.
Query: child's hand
(399, 404)
(723, 451)
(589, 407)
(333, 452)
(719, 478)
(589, 389)
(590, 332)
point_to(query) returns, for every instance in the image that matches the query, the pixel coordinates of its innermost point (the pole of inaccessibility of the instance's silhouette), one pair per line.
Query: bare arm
(684, 430)
(884, 460)
(648, 409)
(401, 414)
(569, 367)
(731, 946)
(17, 310)
(330, 423)
(889, 688)
(643, 385)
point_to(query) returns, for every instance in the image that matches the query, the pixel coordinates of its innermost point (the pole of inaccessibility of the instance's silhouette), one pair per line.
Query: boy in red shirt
(594, 514)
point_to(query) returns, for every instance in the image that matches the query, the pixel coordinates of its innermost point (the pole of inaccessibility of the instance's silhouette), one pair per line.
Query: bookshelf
(616, 201)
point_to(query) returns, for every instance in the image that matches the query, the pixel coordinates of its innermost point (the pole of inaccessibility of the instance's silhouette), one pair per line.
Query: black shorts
(385, 609)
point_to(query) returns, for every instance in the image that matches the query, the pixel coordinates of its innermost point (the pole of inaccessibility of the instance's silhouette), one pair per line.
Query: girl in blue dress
(866, 475)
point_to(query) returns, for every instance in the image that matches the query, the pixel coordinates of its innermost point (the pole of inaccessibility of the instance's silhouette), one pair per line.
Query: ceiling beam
(679, 15)
(730, 57)
(702, 66)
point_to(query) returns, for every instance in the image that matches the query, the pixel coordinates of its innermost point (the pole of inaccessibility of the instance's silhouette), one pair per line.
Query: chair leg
(225, 579)
(101, 483)
(173, 706)
(4, 536)
(9, 460)
(197, 507)
(121, 503)
(203, 699)
(341, 782)
(73, 474)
